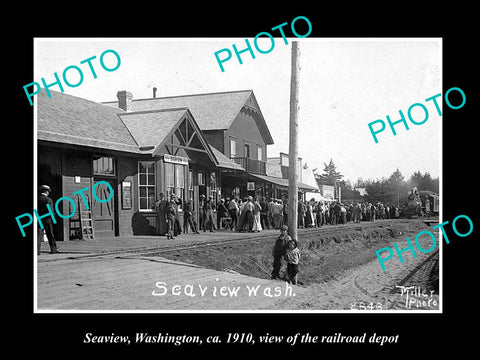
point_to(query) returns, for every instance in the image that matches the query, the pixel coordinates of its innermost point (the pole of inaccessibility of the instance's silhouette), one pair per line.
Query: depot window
(213, 186)
(259, 153)
(146, 185)
(201, 178)
(233, 148)
(190, 184)
(103, 165)
(175, 181)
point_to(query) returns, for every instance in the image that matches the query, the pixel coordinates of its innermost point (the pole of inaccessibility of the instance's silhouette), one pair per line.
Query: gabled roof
(212, 111)
(146, 126)
(73, 120)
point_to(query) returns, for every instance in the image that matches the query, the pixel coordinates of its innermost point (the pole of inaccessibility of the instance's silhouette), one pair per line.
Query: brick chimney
(125, 100)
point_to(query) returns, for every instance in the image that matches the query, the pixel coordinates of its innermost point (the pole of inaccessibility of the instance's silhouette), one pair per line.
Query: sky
(344, 84)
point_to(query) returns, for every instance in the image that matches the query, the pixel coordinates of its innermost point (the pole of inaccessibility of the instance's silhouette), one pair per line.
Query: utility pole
(293, 146)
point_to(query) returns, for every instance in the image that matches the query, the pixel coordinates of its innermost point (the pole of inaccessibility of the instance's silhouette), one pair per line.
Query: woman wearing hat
(249, 220)
(257, 226)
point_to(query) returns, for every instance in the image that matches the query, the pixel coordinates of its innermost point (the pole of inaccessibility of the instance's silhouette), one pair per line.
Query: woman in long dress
(309, 221)
(241, 214)
(257, 226)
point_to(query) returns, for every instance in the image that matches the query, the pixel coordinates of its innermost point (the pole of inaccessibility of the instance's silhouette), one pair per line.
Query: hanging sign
(175, 159)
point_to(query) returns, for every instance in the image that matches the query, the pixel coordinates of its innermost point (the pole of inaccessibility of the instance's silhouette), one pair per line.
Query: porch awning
(283, 183)
(316, 196)
(224, 162)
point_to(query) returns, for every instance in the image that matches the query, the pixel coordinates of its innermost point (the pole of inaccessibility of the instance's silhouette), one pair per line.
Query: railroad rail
(253, 239)
(172, 246)
(425, 267)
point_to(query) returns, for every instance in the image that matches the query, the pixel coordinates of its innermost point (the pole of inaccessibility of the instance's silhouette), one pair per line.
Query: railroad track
(252, 239)
(240, 239)
(422, 270)
(425, 267)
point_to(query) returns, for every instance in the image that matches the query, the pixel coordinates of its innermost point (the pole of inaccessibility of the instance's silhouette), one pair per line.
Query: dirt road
(130, 280)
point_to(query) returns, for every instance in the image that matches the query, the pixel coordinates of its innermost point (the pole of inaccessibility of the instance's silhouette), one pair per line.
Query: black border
(423, 333)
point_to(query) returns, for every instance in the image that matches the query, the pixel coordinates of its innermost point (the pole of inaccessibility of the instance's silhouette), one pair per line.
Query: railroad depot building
(211, 144)
(231, 123)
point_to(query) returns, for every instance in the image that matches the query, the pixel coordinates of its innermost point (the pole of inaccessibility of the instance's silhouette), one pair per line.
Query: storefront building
(277, 176)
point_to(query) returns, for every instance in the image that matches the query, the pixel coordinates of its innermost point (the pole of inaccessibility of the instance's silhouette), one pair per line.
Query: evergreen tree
(396, 179)
(330, 174)
(424, 182)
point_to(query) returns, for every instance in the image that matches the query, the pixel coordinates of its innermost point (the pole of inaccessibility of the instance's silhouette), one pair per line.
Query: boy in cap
(279, 250)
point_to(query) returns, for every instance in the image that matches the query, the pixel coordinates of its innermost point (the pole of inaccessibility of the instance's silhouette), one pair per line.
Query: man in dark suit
(170, 212)
(208, 208)
(188, 217)
(160, 206)
(42, 209)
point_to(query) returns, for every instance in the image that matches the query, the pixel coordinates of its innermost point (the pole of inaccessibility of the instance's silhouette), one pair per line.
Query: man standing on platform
(208, 208)
(45, 206)
(188, 218)
(160, 206)
(233, 211)
(264, 213)
(170, 217)
(201, 213)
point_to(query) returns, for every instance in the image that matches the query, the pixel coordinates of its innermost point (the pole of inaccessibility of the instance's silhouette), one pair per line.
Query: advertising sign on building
(327, 191)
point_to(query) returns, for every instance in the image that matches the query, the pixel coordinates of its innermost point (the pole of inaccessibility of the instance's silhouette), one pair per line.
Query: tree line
(393, 189)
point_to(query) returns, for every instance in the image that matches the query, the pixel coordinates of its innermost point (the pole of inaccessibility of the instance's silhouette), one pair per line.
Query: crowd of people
(316, 213)
(255, 214)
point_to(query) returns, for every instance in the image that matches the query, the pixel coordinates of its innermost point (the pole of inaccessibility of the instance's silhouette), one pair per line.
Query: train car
(430, 202)
(412, 207)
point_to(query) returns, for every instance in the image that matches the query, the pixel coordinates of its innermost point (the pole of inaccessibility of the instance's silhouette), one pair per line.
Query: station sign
(175, 159)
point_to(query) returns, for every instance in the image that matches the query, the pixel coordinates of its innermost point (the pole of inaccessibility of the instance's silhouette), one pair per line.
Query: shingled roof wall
(70, 119)
(212, 111)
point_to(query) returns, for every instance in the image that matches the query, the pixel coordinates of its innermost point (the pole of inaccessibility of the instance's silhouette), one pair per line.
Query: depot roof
(68, 119)
(212, 111)
(72, 120)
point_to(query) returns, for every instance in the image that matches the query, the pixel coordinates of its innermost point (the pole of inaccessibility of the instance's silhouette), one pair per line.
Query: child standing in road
(292, 257)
